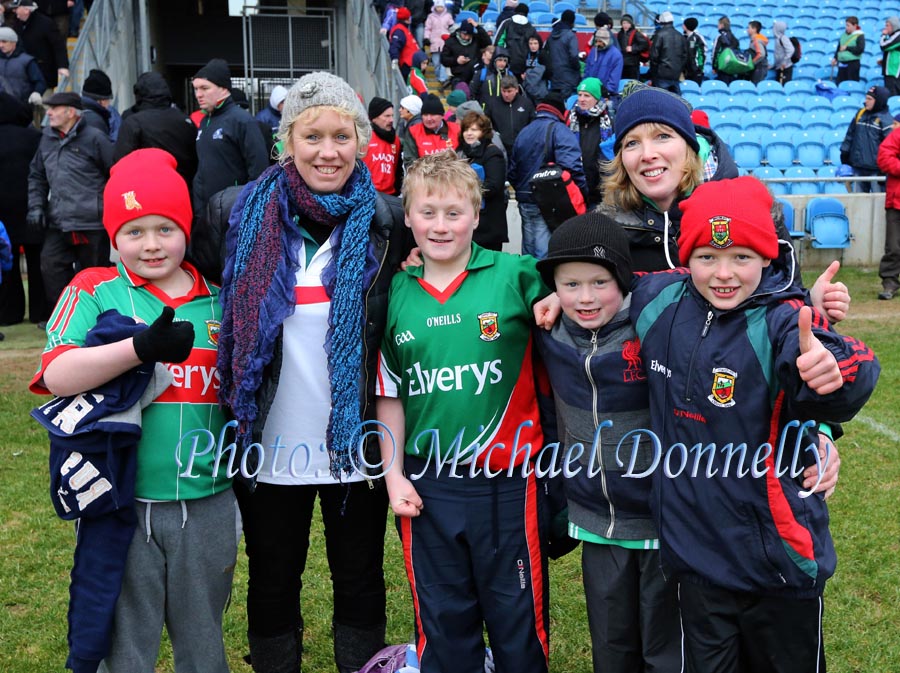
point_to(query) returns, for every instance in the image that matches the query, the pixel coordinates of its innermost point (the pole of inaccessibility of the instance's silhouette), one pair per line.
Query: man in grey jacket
(65, 193)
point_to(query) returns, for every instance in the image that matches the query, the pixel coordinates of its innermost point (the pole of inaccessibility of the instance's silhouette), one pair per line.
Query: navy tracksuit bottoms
(473, 559)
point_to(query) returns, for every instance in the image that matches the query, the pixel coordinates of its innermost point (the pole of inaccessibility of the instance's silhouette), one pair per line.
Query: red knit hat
(724, 213)
(403, 14)
(145, 182)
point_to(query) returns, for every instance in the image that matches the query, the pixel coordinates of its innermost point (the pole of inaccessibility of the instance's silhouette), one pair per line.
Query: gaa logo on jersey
(721, 231)
(723, 387)
(489, 326)
(212, 332)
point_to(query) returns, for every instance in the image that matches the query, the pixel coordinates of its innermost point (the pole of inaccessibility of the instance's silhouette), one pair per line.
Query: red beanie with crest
(145, 182)
(725, 213)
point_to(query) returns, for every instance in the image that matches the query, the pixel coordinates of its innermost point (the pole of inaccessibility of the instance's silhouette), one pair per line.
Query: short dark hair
(509, 82)
(852, 19)
(481, 121)
(756, 25)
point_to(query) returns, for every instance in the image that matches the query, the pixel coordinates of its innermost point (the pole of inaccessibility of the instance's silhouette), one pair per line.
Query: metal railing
(108, 42)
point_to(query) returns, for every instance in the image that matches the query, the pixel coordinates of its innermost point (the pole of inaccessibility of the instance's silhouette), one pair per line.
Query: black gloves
(845, 157)
(164, 340)
(36, 221)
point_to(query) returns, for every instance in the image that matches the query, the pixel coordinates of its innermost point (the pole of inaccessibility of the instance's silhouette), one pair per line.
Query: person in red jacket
(889, 164)
(403, 44)
(434, 134)
(383, 155)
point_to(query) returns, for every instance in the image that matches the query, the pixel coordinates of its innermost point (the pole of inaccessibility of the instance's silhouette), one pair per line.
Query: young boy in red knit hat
(181, 557)
(737, 366)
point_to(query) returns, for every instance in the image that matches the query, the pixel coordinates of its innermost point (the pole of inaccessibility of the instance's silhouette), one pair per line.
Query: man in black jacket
(153, 121)
(668, 55)
(41, 38)
(510, 112)
(230, 148)
(462, 51)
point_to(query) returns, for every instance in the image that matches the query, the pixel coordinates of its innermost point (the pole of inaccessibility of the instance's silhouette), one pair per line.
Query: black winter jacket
(508, 119)
(95, 115)
(40, 37)
(19, 140)
(71, 171)
(514, 34)
(564, 58)
(230, 151)
(453, 49)
(492, 227)
(154, 121)
(668, 54)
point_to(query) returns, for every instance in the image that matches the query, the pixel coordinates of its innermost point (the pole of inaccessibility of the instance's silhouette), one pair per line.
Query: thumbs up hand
(817, 365)
(832, 299)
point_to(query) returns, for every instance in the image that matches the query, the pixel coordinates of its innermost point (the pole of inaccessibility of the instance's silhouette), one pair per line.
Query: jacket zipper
(603, 486)
(690, 372)
(387, 244)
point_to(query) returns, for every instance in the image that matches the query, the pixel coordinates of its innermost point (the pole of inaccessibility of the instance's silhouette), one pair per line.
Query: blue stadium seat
(810, 150)
(842, 118)
(814, 117)
(854, 87)
(466, 14)
(787, 211)
(793, 87)
(689, 85)
(490, 16)
(539, 7)
(769, 85)
(802, 187)
(741, 84)
(580, 20)
(827, 223)
(560, 7)
(710, 85)
(766, 172)
(830, 171)
(894, 104)
(543, 19)
(786, 120)
(779, 150)
(747, 154)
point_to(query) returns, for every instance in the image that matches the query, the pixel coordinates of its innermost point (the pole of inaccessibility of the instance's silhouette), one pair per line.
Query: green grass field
(862, 600)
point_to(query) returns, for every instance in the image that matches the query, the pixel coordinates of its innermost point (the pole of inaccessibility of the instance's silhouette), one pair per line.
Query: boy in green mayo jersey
(457, 393)
(181, 558)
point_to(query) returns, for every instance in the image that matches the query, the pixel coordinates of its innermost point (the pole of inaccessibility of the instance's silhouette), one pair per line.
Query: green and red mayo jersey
(460, 361)
(165, 470)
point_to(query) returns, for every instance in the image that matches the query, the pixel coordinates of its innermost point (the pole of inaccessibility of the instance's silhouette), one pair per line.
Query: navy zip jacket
(597, 376)
(719, 380)
(93, 463)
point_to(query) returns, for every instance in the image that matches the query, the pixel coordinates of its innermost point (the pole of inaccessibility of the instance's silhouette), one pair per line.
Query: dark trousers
(65, 253)
(12, 289)
(276, 527)
(892, 84)
(784, 76)
(732, 632)
(848, 72)
(889, 268)
(473, 558)
(632, 610)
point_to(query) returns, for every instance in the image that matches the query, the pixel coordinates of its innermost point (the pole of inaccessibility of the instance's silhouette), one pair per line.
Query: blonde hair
(619, 191)
(439, 173)
(310, 114)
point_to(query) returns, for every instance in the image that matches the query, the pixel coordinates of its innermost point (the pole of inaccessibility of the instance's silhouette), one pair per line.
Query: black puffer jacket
(71, 171)
(154, 121)
(668, 54)
(453, 49)
(19, 140)
(40, 37)
(492, 229)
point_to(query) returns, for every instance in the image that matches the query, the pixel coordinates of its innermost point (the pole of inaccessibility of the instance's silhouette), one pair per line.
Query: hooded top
(783, 47)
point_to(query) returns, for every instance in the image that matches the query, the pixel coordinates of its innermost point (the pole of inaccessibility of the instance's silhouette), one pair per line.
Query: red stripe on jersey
(535, 562)
(314, 294)
(522, 407)
(443, 295)
(379, 379)
(196, 379)
(37, 382)
(406, 539)
(789, 529)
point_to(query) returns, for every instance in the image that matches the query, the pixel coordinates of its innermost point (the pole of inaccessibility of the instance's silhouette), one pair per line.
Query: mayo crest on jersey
(168, 468)
(461, 361)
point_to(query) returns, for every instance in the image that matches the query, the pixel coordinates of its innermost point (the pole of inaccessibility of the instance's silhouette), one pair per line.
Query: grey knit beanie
(7, 34)
(323, 88)
(894, 21)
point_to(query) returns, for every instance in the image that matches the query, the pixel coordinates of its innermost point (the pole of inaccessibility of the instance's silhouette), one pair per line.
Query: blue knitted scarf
(258, 282)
